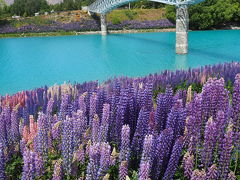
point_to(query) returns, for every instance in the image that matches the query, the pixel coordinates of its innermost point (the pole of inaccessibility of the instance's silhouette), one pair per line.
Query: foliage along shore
(174, 125)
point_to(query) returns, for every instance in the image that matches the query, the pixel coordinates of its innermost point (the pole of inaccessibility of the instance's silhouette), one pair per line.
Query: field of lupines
(173, 125)
(85, 25)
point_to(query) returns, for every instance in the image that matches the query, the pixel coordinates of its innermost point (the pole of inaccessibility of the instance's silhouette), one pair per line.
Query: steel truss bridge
(102, 7)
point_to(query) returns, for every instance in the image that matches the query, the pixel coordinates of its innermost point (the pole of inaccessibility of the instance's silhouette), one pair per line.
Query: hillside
(115, 17)
(80, 21)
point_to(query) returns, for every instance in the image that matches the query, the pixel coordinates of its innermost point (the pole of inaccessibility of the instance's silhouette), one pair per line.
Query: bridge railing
(104, 6)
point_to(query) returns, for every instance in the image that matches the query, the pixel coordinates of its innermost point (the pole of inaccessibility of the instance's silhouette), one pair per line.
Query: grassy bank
(136, 14)
(115, 16)
(79, 22)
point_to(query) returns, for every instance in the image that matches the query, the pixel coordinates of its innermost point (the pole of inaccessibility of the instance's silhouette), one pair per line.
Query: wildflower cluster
(117, 130)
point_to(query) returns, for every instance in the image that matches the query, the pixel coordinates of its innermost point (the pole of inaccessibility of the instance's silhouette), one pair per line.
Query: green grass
(38, 20)
(120, 15)
(37, 34)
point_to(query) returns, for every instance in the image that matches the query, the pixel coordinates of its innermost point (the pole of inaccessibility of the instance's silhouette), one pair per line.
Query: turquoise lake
(27, 63)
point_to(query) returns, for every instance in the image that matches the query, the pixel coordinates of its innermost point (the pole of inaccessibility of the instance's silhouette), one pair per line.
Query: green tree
(210, 13)
(0, 13)
(28, 7)
(68, 5)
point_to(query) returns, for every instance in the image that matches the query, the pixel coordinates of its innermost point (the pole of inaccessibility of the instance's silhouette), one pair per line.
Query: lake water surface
(26, 63)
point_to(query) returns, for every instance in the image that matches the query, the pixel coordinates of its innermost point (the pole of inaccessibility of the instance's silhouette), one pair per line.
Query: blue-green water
(26, 63)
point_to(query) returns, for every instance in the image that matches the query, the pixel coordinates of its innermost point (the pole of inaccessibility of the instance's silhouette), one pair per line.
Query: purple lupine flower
(164, 105)
(121, 113)
(215, 97)
(70, 109)
(26, 164)
(173, 162)
(176, 119)
(141, 131)
(132, 108)
(64, 107)
(169, 98)
(25, 116)
(93, 108)
(39, 165)
(32, 165)
(79, 127)
(236, 109)
(49, 107)
(144, 171)
(188, 165)
(194, 124)
(123, 170)
(42, 136)
(7, 118)
(147, 95)
(147, 149)
(104, 159)
(221, 123)
(45, 99)
(15, 134)
(49, 112)
(22, 145)
(89, 143)
(125, 144)
(112, 118)
(80, 154)
(93, 165)
(146, 159)
(57, 173)
(188, 131)
(231, 176)
(103, 132)
(212, 172)
(161, 114)
(29, 165)
(95, 128)
(225, 154)
(5, 126)
(67, 144)
(198, 175)
(162, 152)
(101, 96)
(81, 103)
(56, 130)
(210, 137)
(2, 162)
(3, 133)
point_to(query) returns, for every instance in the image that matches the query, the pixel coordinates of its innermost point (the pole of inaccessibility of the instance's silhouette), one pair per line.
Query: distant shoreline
(71, 33)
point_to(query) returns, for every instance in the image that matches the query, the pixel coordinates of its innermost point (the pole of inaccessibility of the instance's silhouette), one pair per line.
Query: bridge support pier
(182, 25)
(103, 24)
